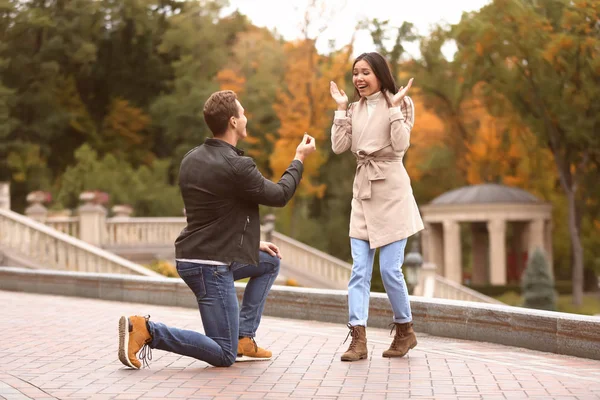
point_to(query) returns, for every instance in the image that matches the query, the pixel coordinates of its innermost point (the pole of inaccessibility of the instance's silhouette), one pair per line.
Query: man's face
(239, 123)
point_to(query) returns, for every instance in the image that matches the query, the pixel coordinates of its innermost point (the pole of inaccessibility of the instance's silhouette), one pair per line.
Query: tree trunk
(576, 249)
(566, 180)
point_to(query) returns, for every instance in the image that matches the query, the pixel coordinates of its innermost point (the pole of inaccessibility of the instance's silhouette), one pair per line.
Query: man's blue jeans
(391, 257)
(222, 320)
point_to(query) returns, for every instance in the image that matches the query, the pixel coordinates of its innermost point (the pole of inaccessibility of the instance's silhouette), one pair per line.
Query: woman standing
(376, 129)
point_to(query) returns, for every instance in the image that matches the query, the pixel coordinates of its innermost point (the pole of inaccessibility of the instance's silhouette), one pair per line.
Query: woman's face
(364, 79)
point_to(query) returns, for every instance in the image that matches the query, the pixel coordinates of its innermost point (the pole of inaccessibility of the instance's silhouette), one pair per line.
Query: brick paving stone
(65, 348)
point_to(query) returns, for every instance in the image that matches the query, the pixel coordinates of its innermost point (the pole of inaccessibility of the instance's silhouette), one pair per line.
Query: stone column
(497, 233)
(92, 220)
(433, 245)
(4, 195)
(548, 245)
(36, 209)
(426, 244)
(452, 252)
(480, 257)
(536, 236)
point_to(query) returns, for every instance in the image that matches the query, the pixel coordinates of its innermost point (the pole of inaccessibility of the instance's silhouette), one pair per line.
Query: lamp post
(413, 262)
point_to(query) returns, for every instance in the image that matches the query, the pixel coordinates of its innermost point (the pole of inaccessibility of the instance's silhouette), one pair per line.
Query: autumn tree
(544, 59)
(304, 105)
(255, 72)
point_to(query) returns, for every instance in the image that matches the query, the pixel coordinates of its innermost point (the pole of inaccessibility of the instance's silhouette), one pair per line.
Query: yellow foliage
(504, 150)
(164, 268)
(479, 48)
(429, 131)
(125, 121)
(231, 80)
(303, 106)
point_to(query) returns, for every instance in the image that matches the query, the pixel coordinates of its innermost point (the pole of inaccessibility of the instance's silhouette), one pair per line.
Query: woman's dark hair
(382, 71)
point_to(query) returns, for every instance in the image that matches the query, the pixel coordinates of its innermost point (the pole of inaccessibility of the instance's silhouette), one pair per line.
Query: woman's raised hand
(397, 99)
(339, 96)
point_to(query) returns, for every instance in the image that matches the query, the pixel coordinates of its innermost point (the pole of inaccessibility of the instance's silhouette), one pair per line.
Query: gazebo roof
(484, 194)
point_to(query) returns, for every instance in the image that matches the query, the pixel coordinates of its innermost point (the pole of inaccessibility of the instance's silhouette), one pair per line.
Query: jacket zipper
(245, 227)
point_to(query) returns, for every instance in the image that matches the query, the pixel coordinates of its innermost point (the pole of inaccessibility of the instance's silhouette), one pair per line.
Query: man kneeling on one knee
(221, 191)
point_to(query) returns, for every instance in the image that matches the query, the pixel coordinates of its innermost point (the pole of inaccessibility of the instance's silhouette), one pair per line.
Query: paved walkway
(59, 347)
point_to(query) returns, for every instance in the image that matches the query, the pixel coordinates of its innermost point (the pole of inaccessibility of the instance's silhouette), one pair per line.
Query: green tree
(380, 31)
(198, 42)
(146, 188)
(537, 283)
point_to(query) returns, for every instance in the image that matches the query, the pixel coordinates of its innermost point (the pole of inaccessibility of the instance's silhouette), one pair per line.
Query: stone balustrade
(313, 261)
(38, 246)
(127, 231)
(122, 232)
(65, 224)
(447, 289)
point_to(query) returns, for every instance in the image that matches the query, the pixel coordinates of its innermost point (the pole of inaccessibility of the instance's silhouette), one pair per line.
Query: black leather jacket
(221, 191)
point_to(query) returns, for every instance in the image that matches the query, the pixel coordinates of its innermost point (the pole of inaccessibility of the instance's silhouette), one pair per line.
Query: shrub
(537, 284)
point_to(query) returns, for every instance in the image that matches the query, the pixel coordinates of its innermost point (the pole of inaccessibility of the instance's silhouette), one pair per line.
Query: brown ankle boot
(404, 340)
(248, 350)
(133, 337)
(358, 346)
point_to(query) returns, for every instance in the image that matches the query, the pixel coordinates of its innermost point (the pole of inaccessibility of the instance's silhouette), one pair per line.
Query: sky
(286, 16)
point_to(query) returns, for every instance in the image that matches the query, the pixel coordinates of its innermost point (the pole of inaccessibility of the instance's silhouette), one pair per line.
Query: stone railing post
(426, 286)
(4, 195)
(268, 226)
(36, 209)
(92, 219)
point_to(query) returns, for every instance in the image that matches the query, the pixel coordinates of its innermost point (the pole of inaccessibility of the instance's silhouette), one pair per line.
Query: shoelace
(255, 345)
(397, 336)
(354, 333)
(145, 353)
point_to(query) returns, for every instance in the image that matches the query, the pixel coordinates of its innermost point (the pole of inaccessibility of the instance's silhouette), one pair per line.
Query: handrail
(57, 250)
(447, 289)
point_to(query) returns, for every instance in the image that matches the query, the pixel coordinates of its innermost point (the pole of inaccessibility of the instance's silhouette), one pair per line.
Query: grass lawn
(590, 306)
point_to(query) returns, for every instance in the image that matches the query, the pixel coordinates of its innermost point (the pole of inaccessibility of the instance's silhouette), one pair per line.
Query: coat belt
(368, 170)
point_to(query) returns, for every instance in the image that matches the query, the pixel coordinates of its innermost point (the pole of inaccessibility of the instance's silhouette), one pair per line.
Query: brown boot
(133, 336)
(404, 340)
(358, 346)
(248, 350)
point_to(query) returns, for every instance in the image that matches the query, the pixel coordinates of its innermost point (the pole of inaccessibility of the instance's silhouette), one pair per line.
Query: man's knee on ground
(227, 360)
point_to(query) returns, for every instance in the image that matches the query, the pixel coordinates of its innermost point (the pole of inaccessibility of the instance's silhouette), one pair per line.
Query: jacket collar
(222, 143)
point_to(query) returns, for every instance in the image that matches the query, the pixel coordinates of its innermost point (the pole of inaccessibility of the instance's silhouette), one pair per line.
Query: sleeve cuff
(342, 114)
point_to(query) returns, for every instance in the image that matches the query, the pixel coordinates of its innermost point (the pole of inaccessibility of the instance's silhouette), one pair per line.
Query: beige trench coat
(384, 209)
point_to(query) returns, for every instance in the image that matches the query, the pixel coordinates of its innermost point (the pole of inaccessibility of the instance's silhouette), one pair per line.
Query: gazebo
(488, 208)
